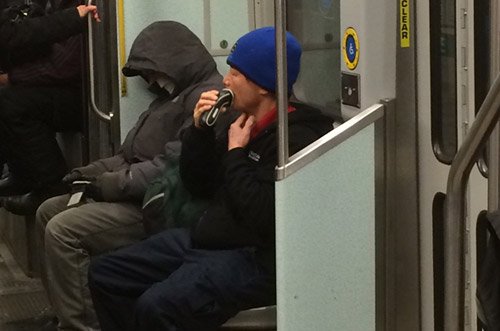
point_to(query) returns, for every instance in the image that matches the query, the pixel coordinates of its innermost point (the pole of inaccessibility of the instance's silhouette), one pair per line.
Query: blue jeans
(164, 284)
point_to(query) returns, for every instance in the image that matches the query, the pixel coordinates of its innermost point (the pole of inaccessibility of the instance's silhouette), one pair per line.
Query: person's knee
(52, 216)
(41, 220)
(58, 233)
(96, 269)
(153, 308)
(185, 307)
(45, 212)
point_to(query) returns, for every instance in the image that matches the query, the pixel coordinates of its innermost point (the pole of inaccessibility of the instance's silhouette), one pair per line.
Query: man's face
(159, 83)
(247, 94)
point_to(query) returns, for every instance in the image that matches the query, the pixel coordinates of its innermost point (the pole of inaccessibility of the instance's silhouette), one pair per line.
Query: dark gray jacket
(170, 48)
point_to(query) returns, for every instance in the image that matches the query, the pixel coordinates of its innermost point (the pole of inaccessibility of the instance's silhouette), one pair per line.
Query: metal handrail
(282, 83)
(454, 214)
(100, 114)
(330, 140)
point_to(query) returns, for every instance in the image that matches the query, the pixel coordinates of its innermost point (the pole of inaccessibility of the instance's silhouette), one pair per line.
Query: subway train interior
(382, 223)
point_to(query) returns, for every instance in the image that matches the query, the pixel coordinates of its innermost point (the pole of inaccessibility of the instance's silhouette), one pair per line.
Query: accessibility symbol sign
(350, 48)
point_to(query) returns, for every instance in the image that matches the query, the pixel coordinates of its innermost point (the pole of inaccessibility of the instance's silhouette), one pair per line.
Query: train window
(482, 65)
(317, 25)
(482, 50)
(443, 79)
(481, 244)
(438, 258)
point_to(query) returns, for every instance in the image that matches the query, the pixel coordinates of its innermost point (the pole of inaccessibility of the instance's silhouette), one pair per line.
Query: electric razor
(225, 99)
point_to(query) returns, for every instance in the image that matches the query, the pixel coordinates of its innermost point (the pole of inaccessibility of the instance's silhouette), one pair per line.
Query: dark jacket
(42, 50)
(488, 287)
(23, 37)
(241, 181)
(167, 203)
(172, 49)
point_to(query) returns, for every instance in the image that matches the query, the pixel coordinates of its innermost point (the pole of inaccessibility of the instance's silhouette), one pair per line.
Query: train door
(455, 71)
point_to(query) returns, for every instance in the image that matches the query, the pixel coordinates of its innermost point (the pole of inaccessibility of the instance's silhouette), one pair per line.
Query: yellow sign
(404, 24)
(121, 45)
(350, 48)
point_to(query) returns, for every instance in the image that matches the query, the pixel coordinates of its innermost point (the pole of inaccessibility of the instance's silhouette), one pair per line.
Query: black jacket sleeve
(62, 66)
(38, 31)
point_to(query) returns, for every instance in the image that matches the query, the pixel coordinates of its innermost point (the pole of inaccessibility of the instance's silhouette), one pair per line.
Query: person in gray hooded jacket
(177, 65)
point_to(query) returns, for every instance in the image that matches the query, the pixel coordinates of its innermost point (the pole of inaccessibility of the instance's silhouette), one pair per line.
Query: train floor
(23, 303)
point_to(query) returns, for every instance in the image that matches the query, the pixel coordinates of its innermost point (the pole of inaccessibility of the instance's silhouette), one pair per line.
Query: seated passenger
(179, 68)
(183, 279)
(40, 58)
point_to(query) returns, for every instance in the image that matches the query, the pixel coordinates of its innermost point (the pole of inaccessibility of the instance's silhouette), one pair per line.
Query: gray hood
(170, 48)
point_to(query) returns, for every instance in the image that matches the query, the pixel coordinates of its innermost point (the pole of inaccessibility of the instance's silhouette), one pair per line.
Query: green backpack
(168, 204)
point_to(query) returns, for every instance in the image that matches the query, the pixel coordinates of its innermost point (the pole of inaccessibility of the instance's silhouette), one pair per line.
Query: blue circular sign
(351, 48)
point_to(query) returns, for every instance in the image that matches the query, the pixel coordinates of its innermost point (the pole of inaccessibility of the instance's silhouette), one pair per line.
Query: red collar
(265, 121)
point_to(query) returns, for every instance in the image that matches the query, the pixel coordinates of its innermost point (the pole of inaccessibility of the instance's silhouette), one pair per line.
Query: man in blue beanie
(196, 279)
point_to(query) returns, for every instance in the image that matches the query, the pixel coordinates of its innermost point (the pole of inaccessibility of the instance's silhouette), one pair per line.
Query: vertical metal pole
(494, 170)
(454, 268)
(281, 79)
(100, 114)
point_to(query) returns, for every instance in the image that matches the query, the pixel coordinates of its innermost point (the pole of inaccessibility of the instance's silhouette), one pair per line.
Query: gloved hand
(94, 191)
(104, 187)
(71, 177)
(91, 189)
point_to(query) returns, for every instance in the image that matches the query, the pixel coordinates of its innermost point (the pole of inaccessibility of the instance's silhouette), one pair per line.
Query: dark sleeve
(37, 31)
(62, 66)
(101, 166)
(130, 182)
(199, 162)
(250, 188)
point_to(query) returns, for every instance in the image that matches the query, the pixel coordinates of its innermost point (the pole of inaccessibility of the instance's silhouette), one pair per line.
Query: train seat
(262, 318)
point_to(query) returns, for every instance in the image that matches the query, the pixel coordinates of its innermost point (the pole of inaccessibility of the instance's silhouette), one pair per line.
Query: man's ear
(263, 92)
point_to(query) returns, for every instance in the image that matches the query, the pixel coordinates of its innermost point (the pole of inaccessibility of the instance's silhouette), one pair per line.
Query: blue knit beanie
(254, 55)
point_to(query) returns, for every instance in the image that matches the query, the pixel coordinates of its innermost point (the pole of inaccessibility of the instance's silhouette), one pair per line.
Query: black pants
(163, 284)
(29, 119)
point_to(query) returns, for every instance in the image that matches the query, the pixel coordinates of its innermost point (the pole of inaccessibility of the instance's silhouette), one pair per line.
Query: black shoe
(50, 325)
(28, 203)
(4, 170)
(43, 323)
(12, 186)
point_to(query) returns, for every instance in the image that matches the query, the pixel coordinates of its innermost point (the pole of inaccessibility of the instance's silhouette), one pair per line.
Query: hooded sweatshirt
(171, 49)
(241, 182)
